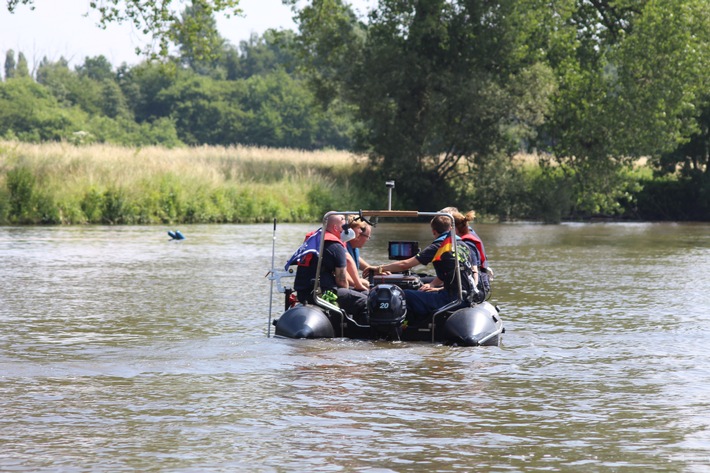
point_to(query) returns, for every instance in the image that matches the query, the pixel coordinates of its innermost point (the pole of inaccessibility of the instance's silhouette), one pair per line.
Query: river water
(123, 351)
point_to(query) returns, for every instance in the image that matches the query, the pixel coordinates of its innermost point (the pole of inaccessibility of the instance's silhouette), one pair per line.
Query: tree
(96, 68)
(632, 76)
(141, 86)
(442, 86)
(202, 56)
(22, 69)
(10, 65)
(205, 111)
(30, 113)
(265, 54)
(154, 17)
(69, 87)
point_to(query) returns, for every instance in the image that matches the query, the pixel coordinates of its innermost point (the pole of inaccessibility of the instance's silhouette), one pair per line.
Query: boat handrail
(276, 275)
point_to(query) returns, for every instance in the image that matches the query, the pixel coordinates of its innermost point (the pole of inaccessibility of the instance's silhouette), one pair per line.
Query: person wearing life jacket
(333, 276)
(423, 303)
(469, 236)
(461, 222)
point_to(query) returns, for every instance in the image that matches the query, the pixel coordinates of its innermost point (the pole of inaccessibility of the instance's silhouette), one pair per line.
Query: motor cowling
(387, 306)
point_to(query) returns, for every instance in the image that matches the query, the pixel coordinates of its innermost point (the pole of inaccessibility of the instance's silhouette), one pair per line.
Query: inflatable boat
(458, 323)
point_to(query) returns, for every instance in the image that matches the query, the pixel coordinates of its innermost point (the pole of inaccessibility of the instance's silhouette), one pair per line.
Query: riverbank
(59, 183)
(64, 184)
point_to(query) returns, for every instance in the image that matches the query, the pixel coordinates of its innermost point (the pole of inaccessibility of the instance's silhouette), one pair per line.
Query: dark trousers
(422, 305)
(351, 301)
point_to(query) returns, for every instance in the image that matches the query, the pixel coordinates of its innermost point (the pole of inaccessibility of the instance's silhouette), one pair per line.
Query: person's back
(445, 264)
(463, 229)
(304, 282)
(424, 302)
(333, 275)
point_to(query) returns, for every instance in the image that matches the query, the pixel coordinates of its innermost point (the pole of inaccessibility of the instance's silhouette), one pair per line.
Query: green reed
(58, 183)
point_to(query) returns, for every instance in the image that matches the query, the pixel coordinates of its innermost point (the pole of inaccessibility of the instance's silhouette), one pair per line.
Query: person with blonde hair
(363, 232)
(468, 235)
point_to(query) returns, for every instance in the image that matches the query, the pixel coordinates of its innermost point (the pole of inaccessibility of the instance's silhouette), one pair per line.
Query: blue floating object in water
(176, 235)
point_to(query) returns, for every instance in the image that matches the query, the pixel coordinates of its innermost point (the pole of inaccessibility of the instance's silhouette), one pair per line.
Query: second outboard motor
(387, 309)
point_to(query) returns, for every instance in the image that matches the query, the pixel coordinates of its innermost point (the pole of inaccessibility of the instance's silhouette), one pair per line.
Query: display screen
(399, 250)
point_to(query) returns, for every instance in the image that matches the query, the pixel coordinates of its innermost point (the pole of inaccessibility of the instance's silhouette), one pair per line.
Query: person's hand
(370, 269)
(365, 284)
(429, 288)
(374, 270)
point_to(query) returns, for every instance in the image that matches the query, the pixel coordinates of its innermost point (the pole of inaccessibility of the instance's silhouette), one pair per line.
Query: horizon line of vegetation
(440, 96)
(66, 184)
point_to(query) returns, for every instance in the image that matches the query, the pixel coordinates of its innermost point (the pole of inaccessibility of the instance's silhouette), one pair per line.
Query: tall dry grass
(158, 185)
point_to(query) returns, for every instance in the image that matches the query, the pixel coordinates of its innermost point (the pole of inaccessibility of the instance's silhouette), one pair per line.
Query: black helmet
(387, 306)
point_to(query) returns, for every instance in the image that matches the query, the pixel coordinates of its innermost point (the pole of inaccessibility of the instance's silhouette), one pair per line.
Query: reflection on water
(124, 351)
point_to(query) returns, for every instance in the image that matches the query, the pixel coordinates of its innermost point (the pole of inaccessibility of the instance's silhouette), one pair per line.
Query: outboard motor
(387, 309)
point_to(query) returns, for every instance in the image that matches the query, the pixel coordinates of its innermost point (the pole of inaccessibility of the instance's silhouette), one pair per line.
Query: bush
(21, 186)
(672, 198)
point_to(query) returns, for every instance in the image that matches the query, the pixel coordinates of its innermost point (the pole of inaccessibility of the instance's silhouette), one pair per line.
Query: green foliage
(499, 188)
(440, 94)
(92, 205)
(22, 69)
(96, 68)
(201, 45)
(126, 132)
(550, 196)
(30, 113)
(437, 83)
(691, 158)
(28, 203)
(21, 186)
(259, 55)
(202, 109)
(10, 64)
(142, 86)
(69, 88)
(156, 18)
(116, 208)
(630, 85)
(677, 199)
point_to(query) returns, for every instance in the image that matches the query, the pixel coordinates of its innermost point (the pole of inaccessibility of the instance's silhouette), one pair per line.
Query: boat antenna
(390, 186)
(271, 291)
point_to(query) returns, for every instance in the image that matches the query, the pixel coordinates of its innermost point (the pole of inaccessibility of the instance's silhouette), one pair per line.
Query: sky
(59, 28)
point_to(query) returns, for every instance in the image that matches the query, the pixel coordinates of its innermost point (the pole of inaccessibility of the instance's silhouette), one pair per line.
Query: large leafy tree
(632, 75)
(68, 87)
(201, 52)
(442, 86)
(264, 54)
(205, 111)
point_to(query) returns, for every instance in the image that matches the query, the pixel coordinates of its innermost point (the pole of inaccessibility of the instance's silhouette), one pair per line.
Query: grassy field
(59, 183)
